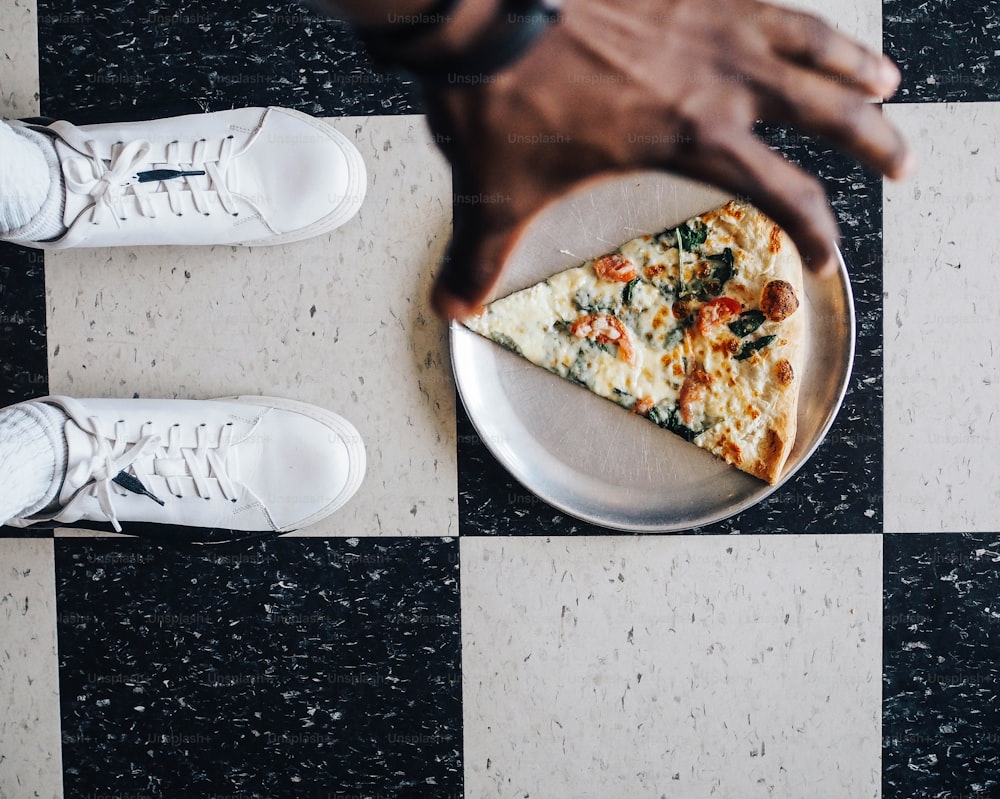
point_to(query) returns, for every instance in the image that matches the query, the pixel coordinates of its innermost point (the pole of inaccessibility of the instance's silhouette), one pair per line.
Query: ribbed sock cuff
(48, 222)
(33, 458)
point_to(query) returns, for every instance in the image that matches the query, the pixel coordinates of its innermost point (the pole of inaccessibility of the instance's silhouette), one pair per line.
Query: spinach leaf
(668, 417)
(723, 259)
(723, 267)
(712, 274)
(581, 371)
(506, 342)
(693, 288)
(750, 347)
(586, 302)
(747, 322)
(674, 337)
(690, 236)
(662, 415)
(623, 397)
(627, 291)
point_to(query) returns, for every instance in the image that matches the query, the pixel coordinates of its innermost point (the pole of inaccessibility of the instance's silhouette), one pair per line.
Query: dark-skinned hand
(676, 85)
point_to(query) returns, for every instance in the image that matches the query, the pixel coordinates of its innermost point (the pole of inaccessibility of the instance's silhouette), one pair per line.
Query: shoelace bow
(130, 465)
(108, 183)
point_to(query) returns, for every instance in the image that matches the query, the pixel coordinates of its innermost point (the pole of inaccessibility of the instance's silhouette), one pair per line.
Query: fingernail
(828, 268)
(448, 306)
(907, 166)
(821, 267)
(822, 261)
(889, 73)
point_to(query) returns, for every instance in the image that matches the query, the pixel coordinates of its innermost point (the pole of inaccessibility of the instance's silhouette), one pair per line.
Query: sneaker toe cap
(306, 466)
(302, 173)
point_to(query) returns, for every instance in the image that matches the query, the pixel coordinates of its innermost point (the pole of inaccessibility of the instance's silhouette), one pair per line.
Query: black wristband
(515, 28)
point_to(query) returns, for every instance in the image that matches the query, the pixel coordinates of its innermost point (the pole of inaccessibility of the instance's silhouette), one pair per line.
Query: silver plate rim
(470, 353)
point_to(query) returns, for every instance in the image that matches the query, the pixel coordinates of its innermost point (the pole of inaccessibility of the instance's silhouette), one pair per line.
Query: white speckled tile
(942, 325)
(19, 59)
(341, 321)
(30, 742)
(672, 666)
(859, 19)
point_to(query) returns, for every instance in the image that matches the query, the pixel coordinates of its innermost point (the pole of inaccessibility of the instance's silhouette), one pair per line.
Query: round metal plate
(584, 454)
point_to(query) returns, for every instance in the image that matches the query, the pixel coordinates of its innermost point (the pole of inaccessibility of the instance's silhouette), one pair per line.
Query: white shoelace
(206, 465)
(109, 183)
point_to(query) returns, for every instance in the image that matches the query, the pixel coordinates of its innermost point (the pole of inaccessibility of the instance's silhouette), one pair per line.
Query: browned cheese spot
(784, 372)
(643, 406)
(682, 308)
(774, 441)
(734, 210)
(775, 245)
(731, 451)
(778, 300)
(728, 346)
(661, 318)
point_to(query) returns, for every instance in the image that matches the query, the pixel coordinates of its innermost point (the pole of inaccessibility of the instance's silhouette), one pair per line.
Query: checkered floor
(448, 634)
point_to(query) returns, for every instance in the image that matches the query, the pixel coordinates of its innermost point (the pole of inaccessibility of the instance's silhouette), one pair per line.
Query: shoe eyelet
(233, 499)
(236, 214)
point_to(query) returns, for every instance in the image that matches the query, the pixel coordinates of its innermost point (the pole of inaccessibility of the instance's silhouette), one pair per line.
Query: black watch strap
(402, 31)
(515, 28)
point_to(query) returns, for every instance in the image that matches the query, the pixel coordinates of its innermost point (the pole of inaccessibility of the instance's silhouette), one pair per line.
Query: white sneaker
(242, 463)
(252, 176)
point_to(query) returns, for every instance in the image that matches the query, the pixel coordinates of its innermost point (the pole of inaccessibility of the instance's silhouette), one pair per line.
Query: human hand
(665, 84)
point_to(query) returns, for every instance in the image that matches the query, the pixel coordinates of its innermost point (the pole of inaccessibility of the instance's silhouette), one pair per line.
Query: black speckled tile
(948, 50)
(24, 372)
(120, 59)
(941, 670)
(295, 668)
(24, 367)
(840, 489)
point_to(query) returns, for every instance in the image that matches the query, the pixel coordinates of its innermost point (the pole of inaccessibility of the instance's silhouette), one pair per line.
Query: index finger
(472, 264)
(795, 200)
(812, 42)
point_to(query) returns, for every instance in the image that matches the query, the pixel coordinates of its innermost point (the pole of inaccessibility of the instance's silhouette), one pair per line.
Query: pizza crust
(783, 415)
(764, 448)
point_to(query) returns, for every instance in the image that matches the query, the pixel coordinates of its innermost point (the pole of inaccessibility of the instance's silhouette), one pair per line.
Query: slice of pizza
(696, 327)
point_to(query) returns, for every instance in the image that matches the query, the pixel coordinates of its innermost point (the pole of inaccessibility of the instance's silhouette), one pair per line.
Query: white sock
(31, 189)
(32, 458)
